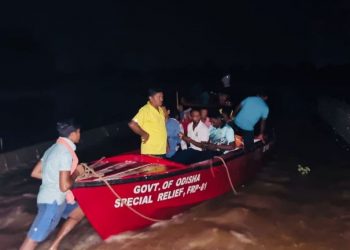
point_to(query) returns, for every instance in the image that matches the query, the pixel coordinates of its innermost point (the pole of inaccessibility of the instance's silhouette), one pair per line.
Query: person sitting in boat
(227, 114)
(58, 170)
(173, 129)
(204, 117)
(221, 136)
(186, 119)
(221, 140)
(197, 132)
(149, 124)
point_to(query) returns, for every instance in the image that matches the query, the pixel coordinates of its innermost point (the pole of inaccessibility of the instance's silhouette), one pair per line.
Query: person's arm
(190, 141)
(183, 144)
(197, 144)
(230, 139)
(135, 127)
(262, 130)
(37, 171)
(263, 124)
(66, 179)
(222, 147)
(236, 110)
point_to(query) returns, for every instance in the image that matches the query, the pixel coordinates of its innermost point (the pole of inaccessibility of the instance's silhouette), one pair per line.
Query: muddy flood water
(279, 209)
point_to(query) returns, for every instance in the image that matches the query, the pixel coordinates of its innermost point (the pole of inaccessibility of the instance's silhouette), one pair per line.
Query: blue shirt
(173, 130)
(221, 136)
(57, 158)
(252, 110)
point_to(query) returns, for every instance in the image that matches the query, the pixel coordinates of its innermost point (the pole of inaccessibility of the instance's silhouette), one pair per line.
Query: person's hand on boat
(144, 137)
(261, 137)
(80, 170)
(211, 146)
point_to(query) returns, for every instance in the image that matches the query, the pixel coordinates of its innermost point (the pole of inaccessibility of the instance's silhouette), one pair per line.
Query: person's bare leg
(74, 218)
(28, 244)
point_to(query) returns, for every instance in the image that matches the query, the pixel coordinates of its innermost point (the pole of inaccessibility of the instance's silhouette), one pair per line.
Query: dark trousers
(247, 135)
(248, 140)
(190, 156)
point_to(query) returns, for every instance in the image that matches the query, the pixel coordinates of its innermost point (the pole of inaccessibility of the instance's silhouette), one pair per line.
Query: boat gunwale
(191, 168)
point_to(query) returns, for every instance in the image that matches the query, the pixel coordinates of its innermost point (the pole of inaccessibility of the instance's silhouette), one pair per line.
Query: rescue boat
(132, 191)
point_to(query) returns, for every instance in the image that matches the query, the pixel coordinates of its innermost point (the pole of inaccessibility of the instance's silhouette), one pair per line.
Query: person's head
(204, 113)
(261, 93)
(224, 99)
(69, 129)
(216, 119)
(166, 111)
(155, 97)
(226, 113)
(170, 111)
(195, 115)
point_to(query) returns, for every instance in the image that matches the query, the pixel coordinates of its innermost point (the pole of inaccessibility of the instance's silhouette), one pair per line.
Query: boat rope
(228, 173)
(90, 170)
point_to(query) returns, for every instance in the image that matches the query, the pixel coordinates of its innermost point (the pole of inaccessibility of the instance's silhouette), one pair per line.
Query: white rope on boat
(89, 170)
(228, 174)
(92, 171)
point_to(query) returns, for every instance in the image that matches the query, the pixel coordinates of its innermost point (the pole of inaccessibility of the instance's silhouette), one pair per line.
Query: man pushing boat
(57, 169)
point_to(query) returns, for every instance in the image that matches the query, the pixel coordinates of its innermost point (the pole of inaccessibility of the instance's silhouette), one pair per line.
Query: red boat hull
(160, 196)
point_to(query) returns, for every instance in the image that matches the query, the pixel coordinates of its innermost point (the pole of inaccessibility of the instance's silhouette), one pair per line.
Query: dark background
(94, 60)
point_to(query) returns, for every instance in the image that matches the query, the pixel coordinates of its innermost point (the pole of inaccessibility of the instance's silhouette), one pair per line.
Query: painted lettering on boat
(195, 188)
(170, 194)
(163, 191)
(133, 201)
(146, 188)
(188, 180)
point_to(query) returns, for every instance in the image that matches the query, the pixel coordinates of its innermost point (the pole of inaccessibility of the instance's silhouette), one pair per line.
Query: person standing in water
(149, 124)
(58, 170)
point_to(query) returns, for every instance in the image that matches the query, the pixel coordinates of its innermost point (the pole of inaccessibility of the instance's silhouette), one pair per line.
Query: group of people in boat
(196, 134)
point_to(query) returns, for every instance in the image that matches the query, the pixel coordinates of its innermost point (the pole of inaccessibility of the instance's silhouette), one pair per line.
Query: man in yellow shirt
(149, 123)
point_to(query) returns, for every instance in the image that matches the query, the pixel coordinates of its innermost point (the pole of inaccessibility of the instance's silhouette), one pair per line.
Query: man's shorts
(48, 217)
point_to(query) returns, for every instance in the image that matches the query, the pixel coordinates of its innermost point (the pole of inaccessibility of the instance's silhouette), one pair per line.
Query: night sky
(81, 36)
(95, 49)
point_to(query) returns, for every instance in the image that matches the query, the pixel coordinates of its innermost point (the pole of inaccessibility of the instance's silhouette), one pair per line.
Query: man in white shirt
(197, 132)
(221, 140)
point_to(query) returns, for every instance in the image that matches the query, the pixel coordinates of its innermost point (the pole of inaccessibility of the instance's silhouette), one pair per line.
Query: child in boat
(54, 169)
